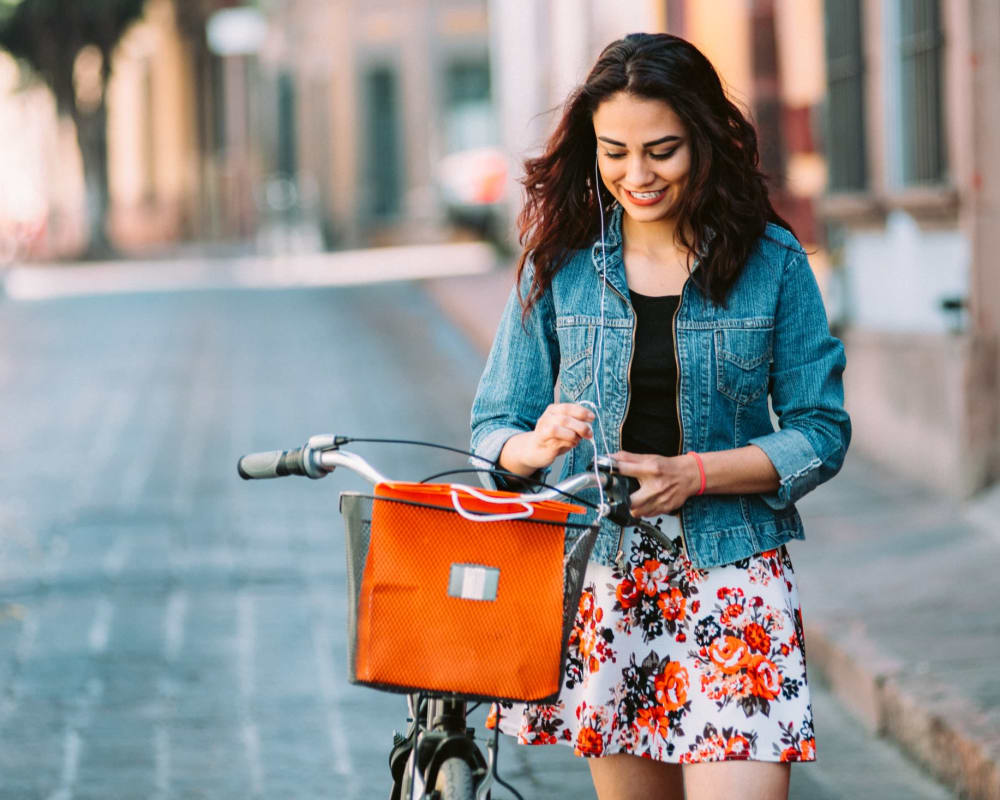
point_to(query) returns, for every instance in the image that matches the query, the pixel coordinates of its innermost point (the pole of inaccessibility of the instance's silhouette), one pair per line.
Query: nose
(638, 173)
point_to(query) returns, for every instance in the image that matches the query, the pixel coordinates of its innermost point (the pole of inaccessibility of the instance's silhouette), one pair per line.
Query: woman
(669, 302)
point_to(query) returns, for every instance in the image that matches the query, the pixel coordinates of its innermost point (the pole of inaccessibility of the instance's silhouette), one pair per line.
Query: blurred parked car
(473, 187)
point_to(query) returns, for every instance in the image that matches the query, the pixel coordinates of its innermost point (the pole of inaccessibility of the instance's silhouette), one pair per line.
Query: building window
(384, 168)
(845, 70)
(469, 121)
(287, 137)
(920, 46)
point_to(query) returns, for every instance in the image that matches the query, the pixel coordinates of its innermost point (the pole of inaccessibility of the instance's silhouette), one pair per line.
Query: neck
(650, 237)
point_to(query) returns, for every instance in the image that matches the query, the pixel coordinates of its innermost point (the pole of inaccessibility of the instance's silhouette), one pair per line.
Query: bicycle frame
(440, 728)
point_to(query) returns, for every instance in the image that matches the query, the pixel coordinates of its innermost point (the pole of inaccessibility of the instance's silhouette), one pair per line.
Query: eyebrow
(661, 140)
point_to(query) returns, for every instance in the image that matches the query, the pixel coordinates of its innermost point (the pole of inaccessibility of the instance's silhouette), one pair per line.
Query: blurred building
(913, 211)
(41, 180)
(166, 176)
(154, 154)
(370, 98)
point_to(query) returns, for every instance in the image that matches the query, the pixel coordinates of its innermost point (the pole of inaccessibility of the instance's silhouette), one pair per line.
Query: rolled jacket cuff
(487, 458)
(796, 463)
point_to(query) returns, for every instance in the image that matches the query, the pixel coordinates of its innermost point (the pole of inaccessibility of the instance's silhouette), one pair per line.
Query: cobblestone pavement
(169, 631)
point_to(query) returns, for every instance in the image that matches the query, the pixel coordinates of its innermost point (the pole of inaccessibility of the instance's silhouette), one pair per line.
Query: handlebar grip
(273, 464)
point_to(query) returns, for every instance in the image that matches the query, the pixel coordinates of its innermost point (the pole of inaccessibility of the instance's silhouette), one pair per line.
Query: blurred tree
(68, 43)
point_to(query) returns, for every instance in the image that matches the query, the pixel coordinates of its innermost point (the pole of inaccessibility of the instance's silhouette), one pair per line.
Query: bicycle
(438, 751)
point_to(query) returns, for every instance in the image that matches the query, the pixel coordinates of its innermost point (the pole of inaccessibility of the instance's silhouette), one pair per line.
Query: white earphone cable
(528, 509)
(599, 342)
(598, 360)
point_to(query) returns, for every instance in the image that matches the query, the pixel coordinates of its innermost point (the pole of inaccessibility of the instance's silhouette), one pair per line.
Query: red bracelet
(701, 470)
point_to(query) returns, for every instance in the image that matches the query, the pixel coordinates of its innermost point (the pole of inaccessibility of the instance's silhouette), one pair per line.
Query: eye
(663, 156)
(615, 155)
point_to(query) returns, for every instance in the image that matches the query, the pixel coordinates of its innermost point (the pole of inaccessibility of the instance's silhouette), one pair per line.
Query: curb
(932, 724)
(927, 719)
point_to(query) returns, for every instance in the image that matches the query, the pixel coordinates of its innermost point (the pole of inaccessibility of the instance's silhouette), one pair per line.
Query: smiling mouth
(647, 196)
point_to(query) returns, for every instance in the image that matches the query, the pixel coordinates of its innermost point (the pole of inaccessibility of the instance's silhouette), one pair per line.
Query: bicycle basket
(444, 604)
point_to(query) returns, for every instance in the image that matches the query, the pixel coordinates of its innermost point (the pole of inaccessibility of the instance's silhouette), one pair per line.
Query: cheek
(609, 176)
(680, 168)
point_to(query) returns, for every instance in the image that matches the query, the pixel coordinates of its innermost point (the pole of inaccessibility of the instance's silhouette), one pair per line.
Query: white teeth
(646, 195)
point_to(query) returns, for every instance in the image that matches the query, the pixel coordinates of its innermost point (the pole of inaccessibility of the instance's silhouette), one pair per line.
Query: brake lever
(618, 490)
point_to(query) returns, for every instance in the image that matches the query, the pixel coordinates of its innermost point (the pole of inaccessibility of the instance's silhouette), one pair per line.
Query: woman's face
(643, 155)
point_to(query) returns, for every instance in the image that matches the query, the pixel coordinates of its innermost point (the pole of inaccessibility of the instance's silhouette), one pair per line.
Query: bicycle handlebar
(321, 455)
(272, 464)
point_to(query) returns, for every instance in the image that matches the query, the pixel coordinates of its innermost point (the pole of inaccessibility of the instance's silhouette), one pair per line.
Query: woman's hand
(561, 427)
(665, 483)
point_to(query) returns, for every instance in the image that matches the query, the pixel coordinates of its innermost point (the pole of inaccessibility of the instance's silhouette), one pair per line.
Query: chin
(648, 214)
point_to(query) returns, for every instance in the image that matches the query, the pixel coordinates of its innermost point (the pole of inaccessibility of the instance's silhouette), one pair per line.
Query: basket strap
(529, 510)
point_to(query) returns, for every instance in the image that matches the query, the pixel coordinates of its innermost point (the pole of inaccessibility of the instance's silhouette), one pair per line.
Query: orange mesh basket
(444, 604)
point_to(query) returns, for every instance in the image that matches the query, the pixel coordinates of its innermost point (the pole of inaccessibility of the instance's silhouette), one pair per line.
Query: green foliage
(48, 34)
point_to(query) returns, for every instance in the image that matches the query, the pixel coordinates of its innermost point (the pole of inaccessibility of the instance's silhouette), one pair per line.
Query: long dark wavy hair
(725, 191)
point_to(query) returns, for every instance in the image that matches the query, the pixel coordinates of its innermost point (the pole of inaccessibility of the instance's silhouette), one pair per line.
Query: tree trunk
(92, 137)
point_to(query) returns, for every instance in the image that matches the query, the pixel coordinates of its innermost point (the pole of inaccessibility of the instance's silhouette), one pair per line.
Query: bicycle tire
(454, 781)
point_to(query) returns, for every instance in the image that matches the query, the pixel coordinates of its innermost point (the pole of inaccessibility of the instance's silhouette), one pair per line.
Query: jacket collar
(606, 256)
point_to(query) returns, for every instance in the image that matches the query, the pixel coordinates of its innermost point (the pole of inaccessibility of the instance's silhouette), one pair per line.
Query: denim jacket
(771, 342)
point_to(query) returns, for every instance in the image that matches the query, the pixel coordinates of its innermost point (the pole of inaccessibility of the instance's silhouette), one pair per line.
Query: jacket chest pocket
(742, 362)
(576, 358)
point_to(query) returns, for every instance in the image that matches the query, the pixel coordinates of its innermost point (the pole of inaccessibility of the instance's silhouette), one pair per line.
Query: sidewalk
(900, 597)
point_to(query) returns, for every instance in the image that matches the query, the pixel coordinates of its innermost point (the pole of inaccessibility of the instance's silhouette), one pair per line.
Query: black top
(651, 423)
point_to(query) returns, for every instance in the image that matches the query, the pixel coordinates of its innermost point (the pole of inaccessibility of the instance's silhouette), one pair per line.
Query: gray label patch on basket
(473, 582)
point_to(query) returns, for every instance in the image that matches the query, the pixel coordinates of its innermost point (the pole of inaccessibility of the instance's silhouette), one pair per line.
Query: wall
(152, 147)
(921, 383)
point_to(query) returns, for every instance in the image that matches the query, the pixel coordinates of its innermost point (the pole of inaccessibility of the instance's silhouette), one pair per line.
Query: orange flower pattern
(680, 664)
(589, 641)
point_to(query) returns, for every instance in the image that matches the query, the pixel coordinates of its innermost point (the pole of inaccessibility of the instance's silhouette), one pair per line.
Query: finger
(646, 509)
(637, 467)
(573, 410)
(637, 498)
(653, 504)
(560, 434)
(629, 468)
(583, 429)
(580, 428)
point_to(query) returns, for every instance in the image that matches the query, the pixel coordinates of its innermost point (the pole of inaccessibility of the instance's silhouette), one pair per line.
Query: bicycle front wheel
(454, 781)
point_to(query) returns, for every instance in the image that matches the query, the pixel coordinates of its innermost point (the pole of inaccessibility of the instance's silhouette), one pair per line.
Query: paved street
(169, 631)
(166, 629)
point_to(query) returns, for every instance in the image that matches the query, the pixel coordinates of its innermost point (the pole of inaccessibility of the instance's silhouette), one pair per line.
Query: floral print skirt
(679, 664)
